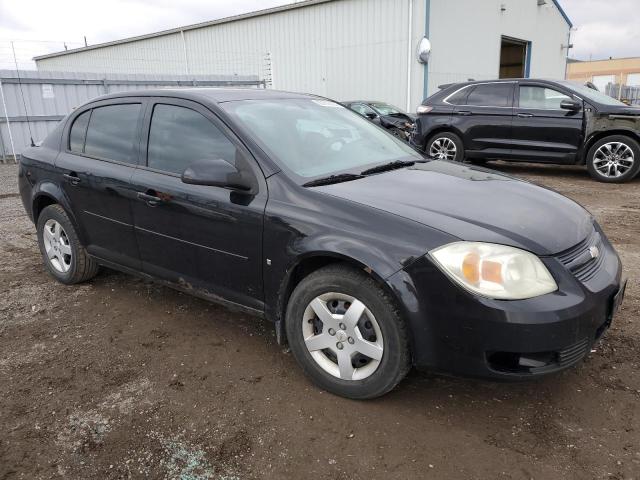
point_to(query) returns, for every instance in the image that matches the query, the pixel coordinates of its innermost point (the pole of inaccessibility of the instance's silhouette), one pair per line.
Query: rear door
(96, 164)
(205, 238)
(542, 131)
(483, 114)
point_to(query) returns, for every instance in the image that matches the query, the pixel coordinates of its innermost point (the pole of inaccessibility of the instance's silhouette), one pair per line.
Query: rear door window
(113, 132)
(78, 132)
(491, 95)
(180, 136)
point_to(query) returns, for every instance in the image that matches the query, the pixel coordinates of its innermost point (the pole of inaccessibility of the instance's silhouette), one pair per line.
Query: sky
(604, 28)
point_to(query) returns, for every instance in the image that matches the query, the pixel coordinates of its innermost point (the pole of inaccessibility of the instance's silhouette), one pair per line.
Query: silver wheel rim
(443, 148)
(613, 159)
(342, 336)
(56, 246)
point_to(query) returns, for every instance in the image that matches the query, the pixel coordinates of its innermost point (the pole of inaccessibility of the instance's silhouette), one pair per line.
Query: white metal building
(348, 49)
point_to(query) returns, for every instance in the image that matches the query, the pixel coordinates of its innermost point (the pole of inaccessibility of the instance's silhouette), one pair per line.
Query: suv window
(112, 132)
(78, 132)
(362, 109)
(541, 98)
(459, 97)
(491, 95)
(180, 136)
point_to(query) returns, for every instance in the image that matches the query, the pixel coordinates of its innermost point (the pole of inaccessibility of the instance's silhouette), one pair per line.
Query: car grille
(574, 353)
(579, 259)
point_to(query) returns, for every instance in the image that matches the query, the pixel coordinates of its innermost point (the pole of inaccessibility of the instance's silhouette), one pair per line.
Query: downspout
(427, 19)
(409, 55)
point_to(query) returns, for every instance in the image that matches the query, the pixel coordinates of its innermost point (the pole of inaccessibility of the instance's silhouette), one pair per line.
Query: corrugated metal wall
(342, 49)
(43, 98)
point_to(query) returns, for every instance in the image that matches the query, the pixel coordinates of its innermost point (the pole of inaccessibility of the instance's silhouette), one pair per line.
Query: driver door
(204, 238)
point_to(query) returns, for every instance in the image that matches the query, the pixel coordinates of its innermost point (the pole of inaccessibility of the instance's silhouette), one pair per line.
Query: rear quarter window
(78, 132)
(113, 132)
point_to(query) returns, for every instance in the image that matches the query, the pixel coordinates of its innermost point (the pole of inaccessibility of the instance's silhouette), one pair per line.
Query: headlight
(495, 271)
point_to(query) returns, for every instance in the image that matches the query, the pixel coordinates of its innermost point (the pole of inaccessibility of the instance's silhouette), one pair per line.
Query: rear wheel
(346, 333)
(614, 159)
(64, 257)
(445, 146)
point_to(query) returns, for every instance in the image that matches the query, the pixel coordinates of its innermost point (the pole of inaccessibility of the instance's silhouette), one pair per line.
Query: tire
(377, 329)
(445, 146)
(64, 256)
(623, 151)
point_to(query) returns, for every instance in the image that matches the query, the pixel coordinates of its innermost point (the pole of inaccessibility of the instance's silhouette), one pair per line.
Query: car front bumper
(460, 333)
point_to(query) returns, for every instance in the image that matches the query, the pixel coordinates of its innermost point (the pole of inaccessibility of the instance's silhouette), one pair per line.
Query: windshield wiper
(343, 177)
(388, 166)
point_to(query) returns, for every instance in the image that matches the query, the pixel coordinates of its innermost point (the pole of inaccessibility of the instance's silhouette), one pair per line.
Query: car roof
(209, 94)
(502, 80)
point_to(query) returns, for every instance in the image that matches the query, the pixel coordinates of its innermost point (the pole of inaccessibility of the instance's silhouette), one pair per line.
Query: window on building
(541, 98)
(180, 136)
(491, 95)
(78, 132)
(113, 132)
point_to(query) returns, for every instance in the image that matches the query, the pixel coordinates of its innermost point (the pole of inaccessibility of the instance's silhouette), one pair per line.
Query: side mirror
(371, 115)
(216, 173)
(571, 105)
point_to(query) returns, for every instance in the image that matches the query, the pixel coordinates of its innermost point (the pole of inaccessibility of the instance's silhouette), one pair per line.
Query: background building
(618, 77)
(347, 49)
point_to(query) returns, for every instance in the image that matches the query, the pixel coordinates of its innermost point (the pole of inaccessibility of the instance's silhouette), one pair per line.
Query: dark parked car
(532, 120)
(392, 118)
(368, 257)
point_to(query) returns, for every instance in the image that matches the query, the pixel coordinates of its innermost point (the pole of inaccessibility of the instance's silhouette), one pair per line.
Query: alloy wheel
(342, 336)
(613, 159)
(56, 245)
(443, 148)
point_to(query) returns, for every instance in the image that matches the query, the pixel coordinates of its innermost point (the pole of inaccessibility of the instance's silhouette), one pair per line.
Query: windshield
(316, 138)
(593, 95)
(386, 109)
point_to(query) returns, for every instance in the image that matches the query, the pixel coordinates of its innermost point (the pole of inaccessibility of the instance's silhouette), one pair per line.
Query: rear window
(491, 95)
(113, 132)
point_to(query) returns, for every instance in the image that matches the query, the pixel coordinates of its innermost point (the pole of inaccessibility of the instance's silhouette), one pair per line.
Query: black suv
(368, 257)
(543, 121)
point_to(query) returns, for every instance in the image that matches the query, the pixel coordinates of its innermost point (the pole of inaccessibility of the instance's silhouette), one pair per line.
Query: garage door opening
(513, 58)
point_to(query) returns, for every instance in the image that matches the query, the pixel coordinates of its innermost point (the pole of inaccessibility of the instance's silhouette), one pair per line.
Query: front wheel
(346, 333)
(445, 146)
(614, 159)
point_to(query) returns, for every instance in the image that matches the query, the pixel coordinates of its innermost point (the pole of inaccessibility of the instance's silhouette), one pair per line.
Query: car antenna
(15, 60)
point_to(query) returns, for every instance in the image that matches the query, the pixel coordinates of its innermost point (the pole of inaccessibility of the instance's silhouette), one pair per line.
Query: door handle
(464, 112)
(72, 178)
(150, 200)
(525, 115)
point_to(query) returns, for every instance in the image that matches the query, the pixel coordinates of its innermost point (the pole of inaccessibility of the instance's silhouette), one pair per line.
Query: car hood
(473, 204)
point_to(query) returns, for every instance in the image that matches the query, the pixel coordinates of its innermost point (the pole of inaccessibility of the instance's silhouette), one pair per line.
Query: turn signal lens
(422, 109)
(495, 271)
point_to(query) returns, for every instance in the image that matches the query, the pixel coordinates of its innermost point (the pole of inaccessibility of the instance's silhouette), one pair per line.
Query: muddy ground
(119, 378)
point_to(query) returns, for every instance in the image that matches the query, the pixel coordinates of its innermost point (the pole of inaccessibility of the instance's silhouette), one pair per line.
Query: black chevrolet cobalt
(368, 257)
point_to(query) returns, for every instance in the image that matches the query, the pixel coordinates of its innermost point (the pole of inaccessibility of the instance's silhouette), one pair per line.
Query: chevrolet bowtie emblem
(594, 251)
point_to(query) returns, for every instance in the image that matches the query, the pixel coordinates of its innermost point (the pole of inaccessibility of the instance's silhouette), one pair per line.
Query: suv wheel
(614, 159)
(346, 333)
(445, 146)
(64, 256)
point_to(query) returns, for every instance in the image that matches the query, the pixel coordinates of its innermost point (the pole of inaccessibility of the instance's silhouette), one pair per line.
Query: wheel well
(601, 135)
(438, 130)
(40, 203)
(309, 265)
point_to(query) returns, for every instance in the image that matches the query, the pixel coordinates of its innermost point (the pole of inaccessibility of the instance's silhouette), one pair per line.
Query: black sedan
(399, 123)
(542, 121)
(367, 257)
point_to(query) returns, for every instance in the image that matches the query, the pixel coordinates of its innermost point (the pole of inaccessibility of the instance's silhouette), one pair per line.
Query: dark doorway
(513, 58)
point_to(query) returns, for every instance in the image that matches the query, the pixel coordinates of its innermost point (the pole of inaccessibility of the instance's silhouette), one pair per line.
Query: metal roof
(195, 26)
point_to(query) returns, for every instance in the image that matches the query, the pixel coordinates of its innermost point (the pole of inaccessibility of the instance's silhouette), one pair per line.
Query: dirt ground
(119, 378)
